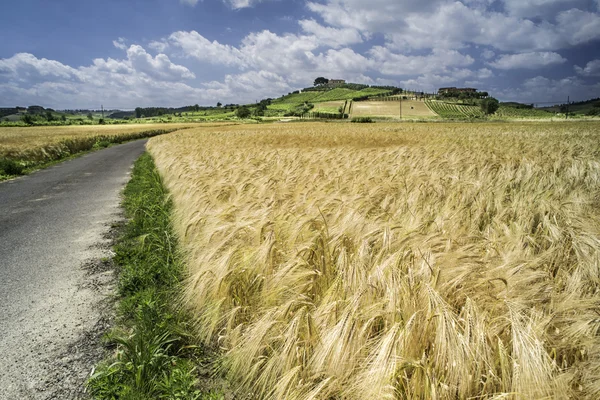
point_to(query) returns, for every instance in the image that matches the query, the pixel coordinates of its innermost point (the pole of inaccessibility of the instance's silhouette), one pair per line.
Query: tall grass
(418, 261)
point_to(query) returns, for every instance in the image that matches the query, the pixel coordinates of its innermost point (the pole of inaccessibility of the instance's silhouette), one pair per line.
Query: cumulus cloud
(139, 79)
(531, 60)
(454, 24)
(195, 45)
(159, 67)
(591, 69)
(329, 36)
(27, 68)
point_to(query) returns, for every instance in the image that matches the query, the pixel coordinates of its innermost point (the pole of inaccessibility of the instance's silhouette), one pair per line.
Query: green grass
(153, 355)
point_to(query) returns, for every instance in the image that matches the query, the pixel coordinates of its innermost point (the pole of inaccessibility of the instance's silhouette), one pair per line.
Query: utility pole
(400, 108)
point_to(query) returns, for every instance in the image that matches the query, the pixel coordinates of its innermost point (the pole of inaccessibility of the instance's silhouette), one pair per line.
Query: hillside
(311, 95)
(454, 110)
(589, 107)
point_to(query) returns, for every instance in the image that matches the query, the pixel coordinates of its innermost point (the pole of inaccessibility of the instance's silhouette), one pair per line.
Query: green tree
(49, 115)
(320, 81)
(243, 112)
(138, 112)
(27, 118)
(490, 105)
(90, 116)
(63, 118)
(219, 104)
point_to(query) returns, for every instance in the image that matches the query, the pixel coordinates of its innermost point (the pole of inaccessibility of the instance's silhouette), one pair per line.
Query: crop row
(454, 111)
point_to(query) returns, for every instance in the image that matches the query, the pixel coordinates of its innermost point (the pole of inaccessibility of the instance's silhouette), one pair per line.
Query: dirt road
(53, 289)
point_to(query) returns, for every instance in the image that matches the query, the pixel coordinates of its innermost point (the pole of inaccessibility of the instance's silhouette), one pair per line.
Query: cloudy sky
(129, 53)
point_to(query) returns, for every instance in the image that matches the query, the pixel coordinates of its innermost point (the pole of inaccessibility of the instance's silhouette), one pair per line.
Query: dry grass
(391, 109)
(32, 142)
(408, 261)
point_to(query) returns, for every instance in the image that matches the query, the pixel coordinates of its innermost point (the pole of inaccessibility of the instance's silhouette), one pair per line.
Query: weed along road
(54, 228)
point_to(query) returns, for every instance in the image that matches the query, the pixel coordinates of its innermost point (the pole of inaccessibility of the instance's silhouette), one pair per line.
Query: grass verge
(153, 355)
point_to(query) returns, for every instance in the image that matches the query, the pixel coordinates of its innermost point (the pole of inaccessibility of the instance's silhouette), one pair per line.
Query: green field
(513, 112)
(453, 110)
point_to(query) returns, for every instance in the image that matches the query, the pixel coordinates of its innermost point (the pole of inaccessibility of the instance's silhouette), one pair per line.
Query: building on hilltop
(455, 89)
(336, 82)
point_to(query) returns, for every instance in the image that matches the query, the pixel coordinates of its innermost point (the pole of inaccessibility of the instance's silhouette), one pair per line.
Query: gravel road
(55, 288)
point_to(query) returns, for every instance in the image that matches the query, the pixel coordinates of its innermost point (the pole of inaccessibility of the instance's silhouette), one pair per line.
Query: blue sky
(124, 54)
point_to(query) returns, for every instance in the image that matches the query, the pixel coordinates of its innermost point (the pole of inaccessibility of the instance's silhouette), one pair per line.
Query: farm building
(455, 89)
(336, 82)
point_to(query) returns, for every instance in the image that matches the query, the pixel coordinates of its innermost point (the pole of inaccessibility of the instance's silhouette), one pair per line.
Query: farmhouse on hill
(455, 89)
(336, 82)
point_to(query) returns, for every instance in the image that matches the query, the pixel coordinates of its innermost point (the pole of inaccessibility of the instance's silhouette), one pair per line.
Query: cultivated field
(39, 143)
(328, 107)
(391, 109)
(409, 261)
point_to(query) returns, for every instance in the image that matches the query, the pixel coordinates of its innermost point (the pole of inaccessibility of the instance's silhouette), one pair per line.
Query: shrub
(362, 120)
(10, 167)
(243, 112)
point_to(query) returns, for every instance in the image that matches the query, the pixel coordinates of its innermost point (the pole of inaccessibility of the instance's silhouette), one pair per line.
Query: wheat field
(391, 109)
(36, 141)
(387, 261)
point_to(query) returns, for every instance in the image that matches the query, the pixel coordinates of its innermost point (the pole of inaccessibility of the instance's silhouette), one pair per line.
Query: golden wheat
(30, 142)
(408, 261)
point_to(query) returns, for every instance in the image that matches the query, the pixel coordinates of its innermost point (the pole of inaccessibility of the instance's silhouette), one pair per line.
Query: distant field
(48, 142)
(512, 112)
(393, 261)
(453, 110)
(391, 109)
(325, 96)
(329, 106)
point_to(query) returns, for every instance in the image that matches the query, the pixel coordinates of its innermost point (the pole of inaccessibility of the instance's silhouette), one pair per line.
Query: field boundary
(152, 350)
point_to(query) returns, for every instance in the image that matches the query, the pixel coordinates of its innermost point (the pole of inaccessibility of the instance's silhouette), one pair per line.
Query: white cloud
(248, 87)
(437, 62)
(120, 43)
(541, 8)
(195, 45)
(159, 45)
(329, 36)
(591, 69)
(532, 60)
(138, 80)
(27, 68)
(159, 67)
(453, 24)
(579, 26)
